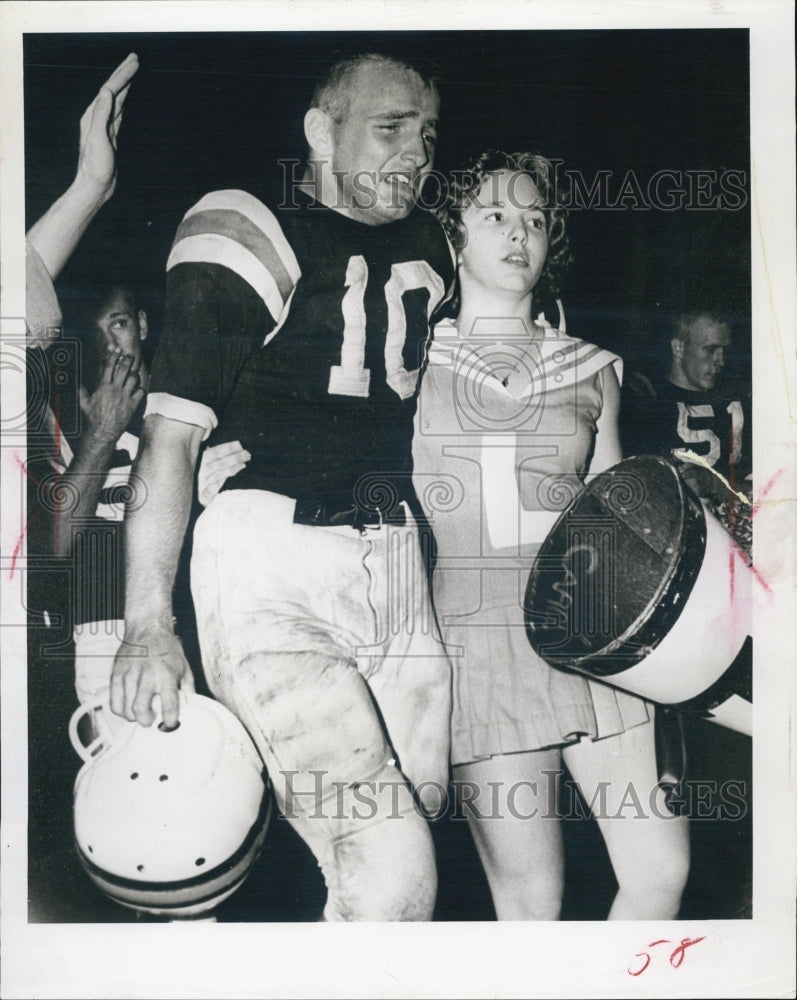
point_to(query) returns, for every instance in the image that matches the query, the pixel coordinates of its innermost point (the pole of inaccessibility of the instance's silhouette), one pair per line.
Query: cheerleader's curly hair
(464, 186)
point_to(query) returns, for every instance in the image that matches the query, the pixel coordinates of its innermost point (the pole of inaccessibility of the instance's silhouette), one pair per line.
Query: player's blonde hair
(333, 88)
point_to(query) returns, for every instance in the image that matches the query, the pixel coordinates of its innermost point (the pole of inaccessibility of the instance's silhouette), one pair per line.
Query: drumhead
(617, 569)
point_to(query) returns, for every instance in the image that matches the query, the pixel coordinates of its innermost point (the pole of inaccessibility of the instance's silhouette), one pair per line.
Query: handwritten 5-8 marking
(676, 958)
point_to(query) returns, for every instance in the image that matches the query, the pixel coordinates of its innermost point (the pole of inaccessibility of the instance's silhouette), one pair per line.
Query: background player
(299, 331)
(114, 380)
(697, 415)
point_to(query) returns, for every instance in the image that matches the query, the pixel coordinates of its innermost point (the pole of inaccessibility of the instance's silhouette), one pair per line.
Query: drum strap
(670, 752)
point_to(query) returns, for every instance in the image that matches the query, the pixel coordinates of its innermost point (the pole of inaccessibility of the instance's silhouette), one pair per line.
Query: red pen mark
(639, 972)
(17, 550)
(761, 580)
(756, 507)
(24, 467)
(676, 957)
(680, 951)
(766, 490)
(21, 539)
(57, 436)
(738, 551)
(644, 954)
(739, 522)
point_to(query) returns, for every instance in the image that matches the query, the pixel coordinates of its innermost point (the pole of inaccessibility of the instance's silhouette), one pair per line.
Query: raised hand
(99, 128)
(56, 234)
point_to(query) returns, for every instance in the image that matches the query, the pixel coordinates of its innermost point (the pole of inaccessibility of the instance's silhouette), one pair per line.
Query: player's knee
(383, 866)
(410, 886)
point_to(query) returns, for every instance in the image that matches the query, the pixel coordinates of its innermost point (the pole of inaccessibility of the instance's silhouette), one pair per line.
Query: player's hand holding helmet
(169, 821)
(150, 663)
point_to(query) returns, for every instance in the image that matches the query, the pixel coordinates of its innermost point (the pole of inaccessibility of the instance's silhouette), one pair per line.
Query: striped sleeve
(235, 230)
(231, 274)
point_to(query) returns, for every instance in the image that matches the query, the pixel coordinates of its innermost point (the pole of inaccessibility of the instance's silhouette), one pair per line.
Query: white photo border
(752, 958)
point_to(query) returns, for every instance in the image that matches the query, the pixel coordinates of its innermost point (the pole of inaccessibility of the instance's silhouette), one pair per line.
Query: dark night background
(211, 110)
(220, 109)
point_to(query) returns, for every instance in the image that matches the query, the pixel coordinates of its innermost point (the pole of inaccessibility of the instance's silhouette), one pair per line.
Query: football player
(297, 326)
(96, 482)
(699, 416)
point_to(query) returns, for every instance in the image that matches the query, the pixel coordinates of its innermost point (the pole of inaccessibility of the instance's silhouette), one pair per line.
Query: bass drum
(638, 585)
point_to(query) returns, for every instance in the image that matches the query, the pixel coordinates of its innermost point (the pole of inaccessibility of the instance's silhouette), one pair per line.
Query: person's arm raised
(151, 662)
(56, 234)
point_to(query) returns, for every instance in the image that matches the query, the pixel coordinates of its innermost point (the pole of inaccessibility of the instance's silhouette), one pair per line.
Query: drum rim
(736, 679)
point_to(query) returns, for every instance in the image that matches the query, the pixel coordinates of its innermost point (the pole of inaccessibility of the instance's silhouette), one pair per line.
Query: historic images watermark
(663, 190)
(552, 798)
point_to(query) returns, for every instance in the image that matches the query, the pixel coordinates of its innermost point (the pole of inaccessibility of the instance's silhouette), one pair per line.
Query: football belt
(169, 822)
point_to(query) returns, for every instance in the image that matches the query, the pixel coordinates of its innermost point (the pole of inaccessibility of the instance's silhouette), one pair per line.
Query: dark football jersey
(713, 425)
(300, 333)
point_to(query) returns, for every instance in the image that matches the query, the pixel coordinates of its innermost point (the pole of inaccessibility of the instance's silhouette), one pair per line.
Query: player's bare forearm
(82, 485)
(56, 234)
(150, 662)
(154, 531)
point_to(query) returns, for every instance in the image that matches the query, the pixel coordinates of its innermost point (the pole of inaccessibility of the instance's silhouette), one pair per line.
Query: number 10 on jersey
(351, 377)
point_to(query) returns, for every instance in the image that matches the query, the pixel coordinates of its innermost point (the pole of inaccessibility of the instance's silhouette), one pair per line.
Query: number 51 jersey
(300, 333)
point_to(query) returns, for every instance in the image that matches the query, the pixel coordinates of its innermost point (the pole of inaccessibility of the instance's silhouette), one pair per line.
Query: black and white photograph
(398, 500)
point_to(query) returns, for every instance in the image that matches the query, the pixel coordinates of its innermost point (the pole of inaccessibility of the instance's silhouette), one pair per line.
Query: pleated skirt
(506, 698)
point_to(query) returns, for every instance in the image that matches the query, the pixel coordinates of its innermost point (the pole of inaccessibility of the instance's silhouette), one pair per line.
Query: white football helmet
(169, 822)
